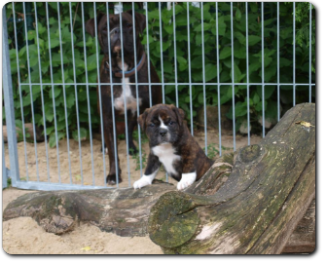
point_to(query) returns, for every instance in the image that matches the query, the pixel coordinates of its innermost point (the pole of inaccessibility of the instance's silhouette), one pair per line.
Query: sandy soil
(24, 236)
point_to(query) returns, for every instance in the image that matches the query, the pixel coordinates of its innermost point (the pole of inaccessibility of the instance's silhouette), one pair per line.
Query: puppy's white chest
(166, 154)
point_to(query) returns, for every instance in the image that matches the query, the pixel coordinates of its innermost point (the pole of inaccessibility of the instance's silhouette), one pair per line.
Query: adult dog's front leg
(114, 175)
(132, 122)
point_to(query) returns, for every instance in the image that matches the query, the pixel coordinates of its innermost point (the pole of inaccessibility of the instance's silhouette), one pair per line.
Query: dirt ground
(24, 236)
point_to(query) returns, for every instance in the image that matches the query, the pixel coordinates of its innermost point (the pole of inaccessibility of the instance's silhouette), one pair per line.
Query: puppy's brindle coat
(125, 93)
(172, 145)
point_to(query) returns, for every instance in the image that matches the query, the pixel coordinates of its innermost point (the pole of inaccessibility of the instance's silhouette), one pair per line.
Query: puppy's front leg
(186, 180)
(153, 165)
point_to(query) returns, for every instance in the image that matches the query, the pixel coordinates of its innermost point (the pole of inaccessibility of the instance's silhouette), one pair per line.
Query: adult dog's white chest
(126, 96)
(167, 155)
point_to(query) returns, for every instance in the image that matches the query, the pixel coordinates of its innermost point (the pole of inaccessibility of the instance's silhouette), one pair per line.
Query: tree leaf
(252, 40)
(225, 53)
(206, 27)
(210, 72)
(53, 136)
(70, 98)
(82, 133)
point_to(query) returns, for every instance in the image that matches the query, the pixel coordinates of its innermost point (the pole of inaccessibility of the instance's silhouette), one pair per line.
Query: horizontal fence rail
(250, 61)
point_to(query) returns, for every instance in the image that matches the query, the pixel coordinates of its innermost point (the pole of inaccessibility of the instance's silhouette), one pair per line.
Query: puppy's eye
(151, 124)
(171, 122)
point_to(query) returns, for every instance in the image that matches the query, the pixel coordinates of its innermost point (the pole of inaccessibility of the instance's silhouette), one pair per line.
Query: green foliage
(60, 102)
(208, 32)
(213, 152)
(59, 113)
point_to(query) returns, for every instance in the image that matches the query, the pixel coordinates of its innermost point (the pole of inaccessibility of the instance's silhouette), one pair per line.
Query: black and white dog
(172, 145)
(124, 94)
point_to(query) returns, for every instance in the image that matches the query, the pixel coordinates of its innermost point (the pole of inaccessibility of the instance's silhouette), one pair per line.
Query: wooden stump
(249, 202)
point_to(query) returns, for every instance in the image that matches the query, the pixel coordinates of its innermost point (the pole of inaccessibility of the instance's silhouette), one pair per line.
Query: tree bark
(249, 201)
(120, 211)
(303, 238)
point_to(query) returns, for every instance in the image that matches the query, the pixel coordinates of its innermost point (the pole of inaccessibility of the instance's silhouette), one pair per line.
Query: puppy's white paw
(145, 180)
(182, 185)
(186, 180)
(142, 182)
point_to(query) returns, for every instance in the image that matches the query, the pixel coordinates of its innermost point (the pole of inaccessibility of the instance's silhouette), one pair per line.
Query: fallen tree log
(120, 211)
(250, 201)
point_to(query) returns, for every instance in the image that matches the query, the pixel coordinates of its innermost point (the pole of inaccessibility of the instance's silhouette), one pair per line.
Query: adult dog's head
(114, 32)
(162, 124)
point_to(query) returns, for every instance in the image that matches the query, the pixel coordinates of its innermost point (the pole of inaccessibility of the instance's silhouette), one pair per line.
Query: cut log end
(172, 222)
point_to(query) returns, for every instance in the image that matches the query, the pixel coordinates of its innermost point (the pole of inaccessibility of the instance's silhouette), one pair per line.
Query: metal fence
(53, 78)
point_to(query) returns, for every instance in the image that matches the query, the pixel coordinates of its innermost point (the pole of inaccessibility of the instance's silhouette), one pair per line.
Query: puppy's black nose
(163, 132)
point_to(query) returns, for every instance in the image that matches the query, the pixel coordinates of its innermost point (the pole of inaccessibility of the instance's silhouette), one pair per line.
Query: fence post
(4, 169)
(9, 102)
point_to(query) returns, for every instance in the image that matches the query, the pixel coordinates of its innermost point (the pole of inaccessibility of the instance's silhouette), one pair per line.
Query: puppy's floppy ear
(142, 119)
(179, 113)
(90, 24)
(140, 21)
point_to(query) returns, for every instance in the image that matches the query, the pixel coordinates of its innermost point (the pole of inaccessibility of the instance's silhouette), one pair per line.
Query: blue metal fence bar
(100, 88)
(247, 67)
(87, 95)
(310, 31)
(204, 74)
(76, 94)
(31, 92)
(124, 84)
(111, 88)
(263, 68)
(175, 57)
(293, 54)
(52, 87)
(64, 91)
(232, 72)
(42, 96)
(161, 50)
(137, 88)
(19, 88)
(278, 62)
(218, 85)
(9, 103)
(4, 169)
(99, 85)
(148, 56)
(46, 186)
(189, 71)
(184, 83)
(162, 66)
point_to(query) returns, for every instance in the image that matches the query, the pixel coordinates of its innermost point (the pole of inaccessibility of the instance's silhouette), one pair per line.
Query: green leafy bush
(63, 100)
(210, 26)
